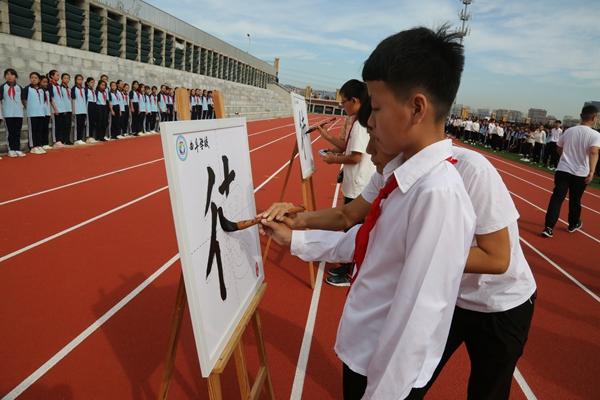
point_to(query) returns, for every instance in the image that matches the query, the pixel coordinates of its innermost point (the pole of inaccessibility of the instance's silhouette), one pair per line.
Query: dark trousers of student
(101, 121)
(36, 131)
(494, 342)
(115, 122)
(92, 119)
(164, 116)
(60, 128)
(80, 120)
(125, 120)
(563, 183)
(46, 131)
(354, 386)
(13, 127)
(150, 121)
(171, 112)
(68, 126)
(496, 142)
(135, 118)
(551, 155)
(537, 152)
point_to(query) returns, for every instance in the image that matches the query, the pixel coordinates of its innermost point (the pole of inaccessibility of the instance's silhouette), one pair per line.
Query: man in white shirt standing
(579, 146)
(351, 152)
(398, 311)
(550, 151)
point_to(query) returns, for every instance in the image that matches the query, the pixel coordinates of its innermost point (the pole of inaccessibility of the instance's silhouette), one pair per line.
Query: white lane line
(104, 214)
(561, 270)
(79, 182)
(560, 219)
(542, 188)
(62, 353)
(513, 164)
(104, 175)
(79, 225)
(524, 386)
(278, 139)
(269, 130)
(309, 328)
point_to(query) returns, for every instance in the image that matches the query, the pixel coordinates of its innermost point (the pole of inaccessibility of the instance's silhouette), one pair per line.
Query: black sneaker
(342, 280)
(344, 269)
(576, 227)
(547, 232)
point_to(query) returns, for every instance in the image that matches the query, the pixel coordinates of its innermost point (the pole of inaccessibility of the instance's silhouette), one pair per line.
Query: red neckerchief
(80, 91)
(12, 91)
(362, 236)
(68, 91)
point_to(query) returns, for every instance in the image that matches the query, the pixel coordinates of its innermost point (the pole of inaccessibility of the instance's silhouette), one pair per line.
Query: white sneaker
(12, 154)
(91, 140)
(37, 150)
(58, 145)
(120, 137)
(47, 147)
(20, 153)
(79, 142)
(140, 133)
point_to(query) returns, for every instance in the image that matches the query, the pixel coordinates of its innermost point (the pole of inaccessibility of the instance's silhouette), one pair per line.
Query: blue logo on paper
(181, 148)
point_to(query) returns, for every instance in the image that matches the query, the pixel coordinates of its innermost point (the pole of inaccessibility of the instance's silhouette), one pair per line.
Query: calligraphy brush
(314, 128)
(230, 226)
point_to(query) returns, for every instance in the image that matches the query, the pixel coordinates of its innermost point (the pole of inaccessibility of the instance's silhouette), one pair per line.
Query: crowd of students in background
(534, 143)
(90, 111)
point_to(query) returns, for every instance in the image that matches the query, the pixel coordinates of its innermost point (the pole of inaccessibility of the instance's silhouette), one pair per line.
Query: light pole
(464, 17)
(249, 42)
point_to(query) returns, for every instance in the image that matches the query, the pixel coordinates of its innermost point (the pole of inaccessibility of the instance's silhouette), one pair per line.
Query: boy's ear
(420, 106)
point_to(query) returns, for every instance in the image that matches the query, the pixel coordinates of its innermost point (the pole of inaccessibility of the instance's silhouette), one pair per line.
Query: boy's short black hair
(11, 71)
(35, 73)
(588, 112)
(364, 113)
(355, 89)
(422, 59)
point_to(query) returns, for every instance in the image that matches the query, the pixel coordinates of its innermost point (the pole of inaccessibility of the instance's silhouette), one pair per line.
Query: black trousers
(46, 131)
(354, 386)
(170, 112)
(101, 121)
(537, 152)
(164, 116)
(563, 183)
(135, 118)
(494, 341)
(68, 125)
(80, 120)
(92, 119)
(60, 127)
(115, 122)
(125, 120)
(13, 127)
(550, 154)
(36, 131)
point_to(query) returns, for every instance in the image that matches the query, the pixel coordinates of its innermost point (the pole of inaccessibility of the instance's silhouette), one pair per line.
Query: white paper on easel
(208, 170)
(307, 162)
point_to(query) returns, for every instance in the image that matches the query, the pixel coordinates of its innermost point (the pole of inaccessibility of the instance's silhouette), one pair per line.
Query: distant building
(508, 115)
(537, 115)
(482, 113)
(456, 109)
(569, 121)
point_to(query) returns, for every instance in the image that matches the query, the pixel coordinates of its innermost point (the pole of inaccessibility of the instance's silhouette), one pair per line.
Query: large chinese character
(217, 214)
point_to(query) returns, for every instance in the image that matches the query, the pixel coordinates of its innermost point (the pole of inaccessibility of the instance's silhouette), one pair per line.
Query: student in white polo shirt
(351, 152)
(497, 293)
(579, 146)
(411, 251)
(550, 151)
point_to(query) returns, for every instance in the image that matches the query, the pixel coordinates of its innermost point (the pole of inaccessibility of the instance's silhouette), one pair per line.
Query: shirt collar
(408, 172)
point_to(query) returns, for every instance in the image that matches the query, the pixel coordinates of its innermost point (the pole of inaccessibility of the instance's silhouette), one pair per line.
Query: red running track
(56, 288)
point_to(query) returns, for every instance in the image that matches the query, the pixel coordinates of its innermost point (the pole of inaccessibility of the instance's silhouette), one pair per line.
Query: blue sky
(520, 54)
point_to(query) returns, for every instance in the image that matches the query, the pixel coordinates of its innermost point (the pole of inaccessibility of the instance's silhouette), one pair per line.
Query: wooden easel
(234, 346)
(310, 203)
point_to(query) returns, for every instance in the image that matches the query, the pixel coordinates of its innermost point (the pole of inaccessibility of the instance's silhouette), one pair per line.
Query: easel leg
(214, 387)
(180, 304)
(262, 355)
(242, 371)
(307, 198)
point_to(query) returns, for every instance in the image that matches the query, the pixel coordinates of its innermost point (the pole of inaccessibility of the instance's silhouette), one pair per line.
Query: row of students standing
(98, 111)
(202, 104)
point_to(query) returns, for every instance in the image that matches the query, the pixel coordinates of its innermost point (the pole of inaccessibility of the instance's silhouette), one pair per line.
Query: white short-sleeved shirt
(576, 143)
(495, 210)
(500, 131)
(555, 134)
(356, 176)
(469, 126)
(492, 129)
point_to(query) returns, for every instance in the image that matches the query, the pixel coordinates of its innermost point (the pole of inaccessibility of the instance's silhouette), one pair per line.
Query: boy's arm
(593, 161)
(339, 158)
(313, 245)
(339, 143)
(413, 337)
(491, 255)
(338, 218)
